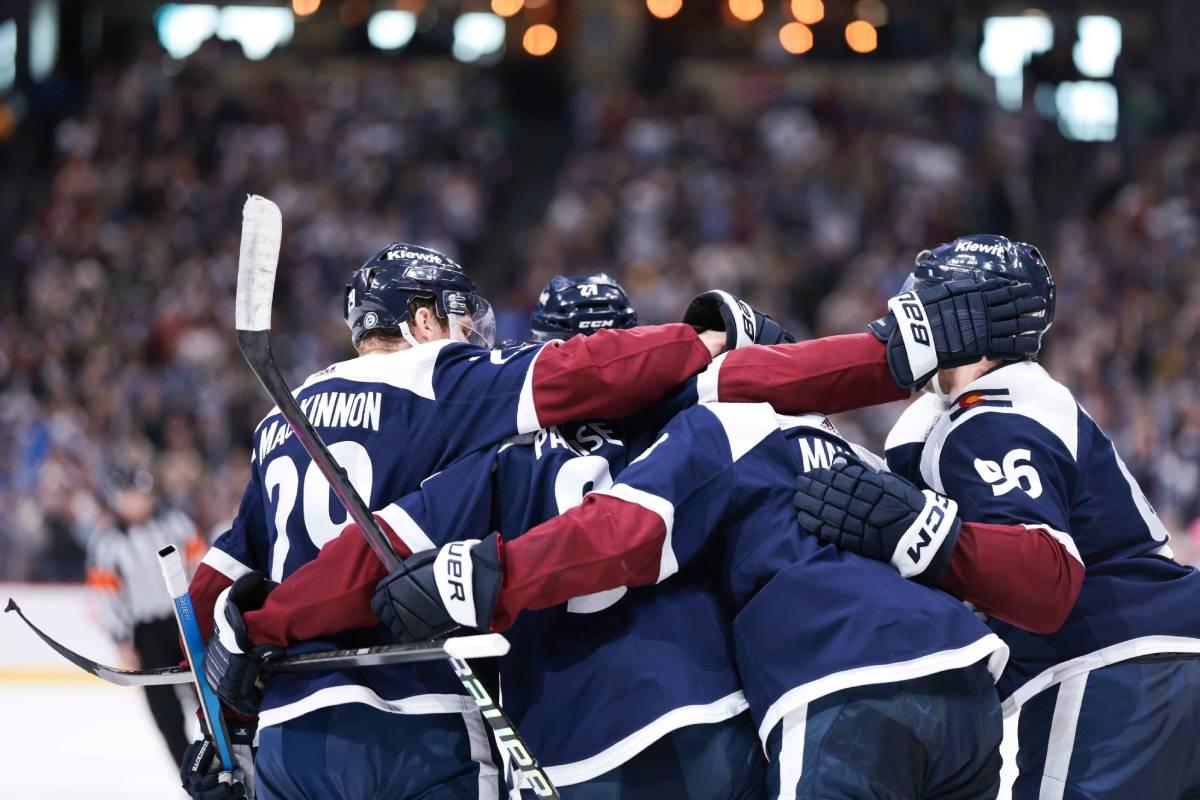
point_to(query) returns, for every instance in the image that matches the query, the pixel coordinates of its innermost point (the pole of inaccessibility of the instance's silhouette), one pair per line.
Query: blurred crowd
(118, 348)
(812, 202)
(809, 199)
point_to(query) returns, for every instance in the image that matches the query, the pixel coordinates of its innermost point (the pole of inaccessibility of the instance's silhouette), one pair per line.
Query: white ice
(67, 736)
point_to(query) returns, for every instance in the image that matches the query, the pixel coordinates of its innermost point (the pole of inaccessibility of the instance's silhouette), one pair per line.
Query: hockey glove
(436, 591)
(232, 663)
(881, 516)
(743, 325)
(201, 774)
(956, 323)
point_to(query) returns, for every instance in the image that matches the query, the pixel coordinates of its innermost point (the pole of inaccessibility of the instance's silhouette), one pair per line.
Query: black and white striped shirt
(124, 573)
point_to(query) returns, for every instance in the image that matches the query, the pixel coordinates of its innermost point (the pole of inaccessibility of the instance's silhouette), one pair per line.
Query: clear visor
(478, 327)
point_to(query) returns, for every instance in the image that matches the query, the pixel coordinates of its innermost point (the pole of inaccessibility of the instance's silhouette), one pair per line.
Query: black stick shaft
(256, 347)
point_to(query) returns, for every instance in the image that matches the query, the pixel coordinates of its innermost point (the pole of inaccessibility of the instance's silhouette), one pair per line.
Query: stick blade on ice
(262, 231)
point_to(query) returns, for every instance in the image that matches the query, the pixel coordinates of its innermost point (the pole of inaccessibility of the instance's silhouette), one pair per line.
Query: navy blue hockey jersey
(1016, 448)
(392, 419)
(715, 489)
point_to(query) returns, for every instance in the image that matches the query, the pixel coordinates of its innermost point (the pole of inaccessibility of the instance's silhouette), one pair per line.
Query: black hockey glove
(436, 591)
(956, 323)
(743, 325)
(201, 774)
(232, 663)
(881, 516)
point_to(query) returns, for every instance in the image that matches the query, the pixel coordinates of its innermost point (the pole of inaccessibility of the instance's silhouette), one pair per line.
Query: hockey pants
(936, 737)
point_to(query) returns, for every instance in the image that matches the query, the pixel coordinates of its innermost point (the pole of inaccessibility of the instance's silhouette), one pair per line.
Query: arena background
(797, 152)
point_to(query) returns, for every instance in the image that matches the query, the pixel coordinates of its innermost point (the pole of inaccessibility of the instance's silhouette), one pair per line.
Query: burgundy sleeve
(328, 595)
(1023, 576)
(613, 373)
(829, 375)
(206, 584)
(603, 543)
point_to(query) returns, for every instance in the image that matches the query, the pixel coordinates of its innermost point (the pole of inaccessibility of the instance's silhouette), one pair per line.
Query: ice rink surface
(65, 735)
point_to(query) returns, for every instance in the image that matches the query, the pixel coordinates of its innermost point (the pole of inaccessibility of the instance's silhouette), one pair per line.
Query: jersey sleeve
(242, 548)
(660, 515)
(485, 397)
(828, 375)
(1015, 558)
(108, 586)
(332, 593)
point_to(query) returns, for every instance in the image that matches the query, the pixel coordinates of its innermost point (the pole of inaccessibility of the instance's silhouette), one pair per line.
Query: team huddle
(709, 592)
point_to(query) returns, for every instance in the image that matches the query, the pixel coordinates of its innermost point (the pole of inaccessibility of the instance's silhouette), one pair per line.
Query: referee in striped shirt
(132, 603)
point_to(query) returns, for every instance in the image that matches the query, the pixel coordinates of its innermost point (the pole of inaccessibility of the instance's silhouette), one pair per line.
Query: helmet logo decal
(456, 303)
(405, 253)
(370, 319)
(965, 246)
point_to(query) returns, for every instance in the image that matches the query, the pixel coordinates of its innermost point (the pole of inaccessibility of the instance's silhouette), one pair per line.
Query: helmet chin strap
(407, 334)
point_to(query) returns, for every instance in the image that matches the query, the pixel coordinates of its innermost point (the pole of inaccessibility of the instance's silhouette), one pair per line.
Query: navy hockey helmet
(381, 292)
(571, 305)
(982, 256)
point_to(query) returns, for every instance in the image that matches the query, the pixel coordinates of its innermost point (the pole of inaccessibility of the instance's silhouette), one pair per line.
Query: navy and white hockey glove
(200, 771)
(881, 516)
(437, 591)
(743, 325)
(232, 663)
(956, 323)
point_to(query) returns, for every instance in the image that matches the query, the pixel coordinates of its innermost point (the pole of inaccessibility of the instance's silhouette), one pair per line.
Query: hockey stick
(488, 645)
(175, 579)
(258, 259)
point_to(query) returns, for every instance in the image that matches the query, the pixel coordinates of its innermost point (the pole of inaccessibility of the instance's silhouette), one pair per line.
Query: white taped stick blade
(172, 570)
(487, 645)
(262, 230)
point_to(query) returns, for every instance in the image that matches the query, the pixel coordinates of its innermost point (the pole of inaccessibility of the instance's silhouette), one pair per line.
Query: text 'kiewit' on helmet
(381, 294)
(571, 305)
(983, 256)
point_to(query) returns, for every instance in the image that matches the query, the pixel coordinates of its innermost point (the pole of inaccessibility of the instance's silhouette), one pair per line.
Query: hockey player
(417, 397)
(681, 685)
(893, 682)
(1075, 572)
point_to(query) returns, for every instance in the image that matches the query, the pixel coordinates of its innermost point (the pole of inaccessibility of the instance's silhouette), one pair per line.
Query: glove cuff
(923, 550)
(913, 357)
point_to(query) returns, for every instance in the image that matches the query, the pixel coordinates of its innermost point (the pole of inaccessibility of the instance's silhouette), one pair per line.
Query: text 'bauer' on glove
(881, 516)
(437, 591)
(232, 663)
(956, 323)
(743, 325)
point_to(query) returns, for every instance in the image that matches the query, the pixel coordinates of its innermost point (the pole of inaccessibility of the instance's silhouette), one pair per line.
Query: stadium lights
(1008, 44)
(183, 28)
(810, 12)
(1098, 47)
(1087, 110)
(391, 30)
(796, 38)
(8, 54)
(861, 36)
(477, 35)
(43, 38)
(664, 9)
(873, 11)
(258, 29)
(507, 8)
(746, 10)
(539, 39)
(302, 8)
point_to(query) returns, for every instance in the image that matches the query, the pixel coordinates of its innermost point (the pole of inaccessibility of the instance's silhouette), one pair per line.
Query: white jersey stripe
(1061, 743)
